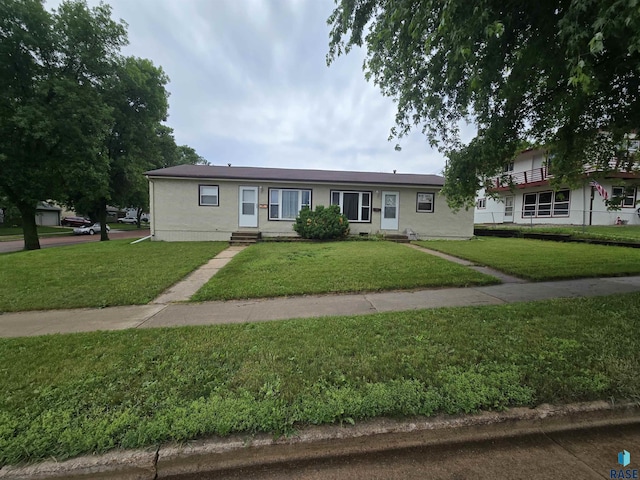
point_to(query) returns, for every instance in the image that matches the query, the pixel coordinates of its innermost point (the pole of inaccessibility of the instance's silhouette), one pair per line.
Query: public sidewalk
(538, 437)
(237, 311)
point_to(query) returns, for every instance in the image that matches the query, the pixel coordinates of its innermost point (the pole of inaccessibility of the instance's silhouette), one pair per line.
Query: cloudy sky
(250, 86)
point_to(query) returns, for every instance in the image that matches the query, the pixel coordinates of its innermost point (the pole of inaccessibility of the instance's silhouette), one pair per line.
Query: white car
(89, 230)
(133, 220)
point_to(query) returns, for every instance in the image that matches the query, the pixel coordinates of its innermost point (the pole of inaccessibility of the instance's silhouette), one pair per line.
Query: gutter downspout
(152, 208)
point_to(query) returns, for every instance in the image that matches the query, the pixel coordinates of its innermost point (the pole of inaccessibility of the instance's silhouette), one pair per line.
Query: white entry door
(508, 209)
(248, 203)
(390, 208)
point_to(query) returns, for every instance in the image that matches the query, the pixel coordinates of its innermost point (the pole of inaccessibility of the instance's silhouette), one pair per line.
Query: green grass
(97, 274)
(628, 233)
(15, 233)
(543, 260)
(65, 395)
(278, 269)
(128, 226)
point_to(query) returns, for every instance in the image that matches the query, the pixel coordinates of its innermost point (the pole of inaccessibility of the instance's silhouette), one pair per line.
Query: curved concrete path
(163, 312)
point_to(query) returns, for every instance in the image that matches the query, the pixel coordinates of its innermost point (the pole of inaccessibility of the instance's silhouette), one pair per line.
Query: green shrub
(321, 224)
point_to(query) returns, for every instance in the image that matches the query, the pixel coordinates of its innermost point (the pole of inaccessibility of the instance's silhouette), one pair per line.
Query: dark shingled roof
(295, 175)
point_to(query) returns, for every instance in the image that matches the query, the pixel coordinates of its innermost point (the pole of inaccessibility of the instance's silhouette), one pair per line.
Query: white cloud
(250, 86)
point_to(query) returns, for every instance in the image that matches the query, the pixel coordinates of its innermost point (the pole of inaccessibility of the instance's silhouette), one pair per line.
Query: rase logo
(624, 459)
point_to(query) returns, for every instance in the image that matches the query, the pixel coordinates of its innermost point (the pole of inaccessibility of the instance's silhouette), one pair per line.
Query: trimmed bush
(321, 224)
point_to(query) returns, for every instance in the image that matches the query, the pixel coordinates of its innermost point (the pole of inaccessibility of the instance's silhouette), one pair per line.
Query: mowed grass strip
(8, 234)
(65, 395)
(279, 269)
(543, 260)
(630, 233)
(97, 274)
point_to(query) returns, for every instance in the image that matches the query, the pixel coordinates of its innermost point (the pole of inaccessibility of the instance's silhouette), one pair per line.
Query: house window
(561, 203)
(209, 195)
(546, 204)
(481, 203)
(627, 194)
(529, 205)
(285, 203)
(508, 167)
(356, 206)
(424, 202)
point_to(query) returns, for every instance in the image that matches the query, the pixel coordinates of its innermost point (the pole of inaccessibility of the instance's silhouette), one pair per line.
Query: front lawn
(97, 274)
(65, 395)
(627, 233)
(8, 234)
(278, 269)
(543, 260)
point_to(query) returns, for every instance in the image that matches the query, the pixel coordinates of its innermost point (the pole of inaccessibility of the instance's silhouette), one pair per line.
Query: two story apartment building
(524, 196)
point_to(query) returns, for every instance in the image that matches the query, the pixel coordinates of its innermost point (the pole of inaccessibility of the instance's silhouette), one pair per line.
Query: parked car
(132, 220)
(75, 222)
(89, 230)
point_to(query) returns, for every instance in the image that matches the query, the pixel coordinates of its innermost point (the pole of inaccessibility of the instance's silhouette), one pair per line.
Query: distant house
(47, 214)
(531, 200)
(205, 202)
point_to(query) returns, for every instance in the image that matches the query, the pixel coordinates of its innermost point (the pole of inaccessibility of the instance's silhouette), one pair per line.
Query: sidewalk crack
(151, 316)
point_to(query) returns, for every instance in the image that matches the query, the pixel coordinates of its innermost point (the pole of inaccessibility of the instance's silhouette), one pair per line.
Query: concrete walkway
(547, 456)
(185, 289)
(164, 312)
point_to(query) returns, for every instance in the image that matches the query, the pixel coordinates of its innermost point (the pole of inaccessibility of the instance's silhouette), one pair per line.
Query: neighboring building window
(529, 205)
(561, 204)
(628, 195)
(508, 167)
(546, 204)
(356, 206)
(481, 203)
(424, 202)
(285, 203)
(209, 195)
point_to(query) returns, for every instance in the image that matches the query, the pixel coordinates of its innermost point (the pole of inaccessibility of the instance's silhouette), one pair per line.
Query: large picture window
(285, 203)
(628, 195)
(546, 204)
(356, 206)
(209, 195)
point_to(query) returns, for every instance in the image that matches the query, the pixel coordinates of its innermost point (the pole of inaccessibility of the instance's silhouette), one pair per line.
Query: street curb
(241, 451)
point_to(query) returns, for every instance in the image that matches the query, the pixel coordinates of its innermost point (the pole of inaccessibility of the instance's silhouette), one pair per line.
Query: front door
(390, 206)
(508, 209)
(248, 203)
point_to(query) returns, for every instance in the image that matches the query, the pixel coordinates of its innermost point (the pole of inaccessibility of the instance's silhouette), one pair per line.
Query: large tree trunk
(29, 228)
(102, 218)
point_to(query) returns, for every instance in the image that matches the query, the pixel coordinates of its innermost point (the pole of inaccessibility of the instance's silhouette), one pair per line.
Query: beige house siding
(177, 216)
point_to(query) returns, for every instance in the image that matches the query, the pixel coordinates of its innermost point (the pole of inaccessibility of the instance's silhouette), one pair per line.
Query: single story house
(531, 199)
(206, 202)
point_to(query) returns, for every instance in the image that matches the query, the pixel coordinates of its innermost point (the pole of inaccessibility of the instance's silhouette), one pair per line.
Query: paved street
(17, 245)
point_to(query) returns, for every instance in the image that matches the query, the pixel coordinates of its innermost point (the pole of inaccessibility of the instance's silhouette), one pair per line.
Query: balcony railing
(522, 178)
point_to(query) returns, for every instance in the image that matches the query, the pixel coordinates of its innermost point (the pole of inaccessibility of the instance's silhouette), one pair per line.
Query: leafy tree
(565, 74)
(53, 121)
(188, 155)
(138, 100)
(162, 152)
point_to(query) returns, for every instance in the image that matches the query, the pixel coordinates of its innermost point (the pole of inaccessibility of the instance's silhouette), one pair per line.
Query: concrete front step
(397, 238)
(244, 238)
